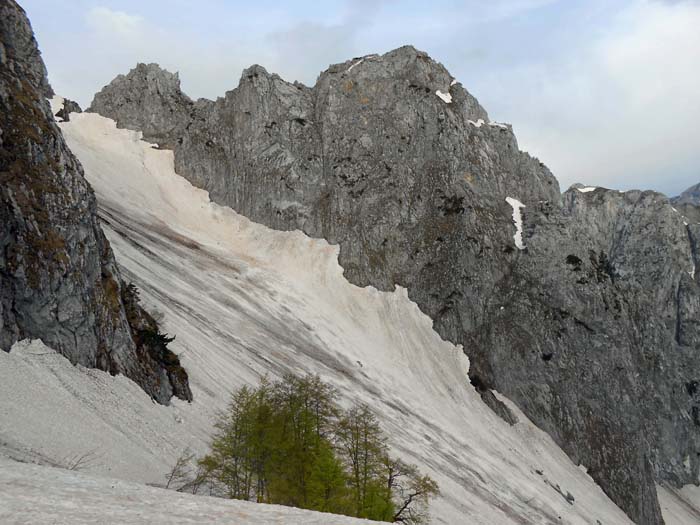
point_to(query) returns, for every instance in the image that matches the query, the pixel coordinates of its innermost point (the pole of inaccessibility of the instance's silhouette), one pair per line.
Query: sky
(605, 92)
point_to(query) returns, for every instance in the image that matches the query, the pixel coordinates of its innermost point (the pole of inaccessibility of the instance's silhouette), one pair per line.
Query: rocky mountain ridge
(58, 278)
(590, 324)
(689, 196)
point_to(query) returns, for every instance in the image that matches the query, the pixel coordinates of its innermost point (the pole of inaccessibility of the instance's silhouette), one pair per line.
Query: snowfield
(43, 495)
(245, 301)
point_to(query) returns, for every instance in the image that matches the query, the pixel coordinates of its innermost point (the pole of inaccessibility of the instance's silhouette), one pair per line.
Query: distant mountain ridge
(590, 325)
(688, 204)
(689, 196)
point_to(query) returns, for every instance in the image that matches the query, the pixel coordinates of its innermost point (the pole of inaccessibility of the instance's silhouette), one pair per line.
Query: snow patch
(355, 64)
(454, 81)
(587, 189)
(481, 122)
(518, 221)
(446, 97)
(76, 410)
(360, 62)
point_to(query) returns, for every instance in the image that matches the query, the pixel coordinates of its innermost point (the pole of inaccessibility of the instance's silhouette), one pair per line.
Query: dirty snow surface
(245, 301)
(43, 495)
(680, 506)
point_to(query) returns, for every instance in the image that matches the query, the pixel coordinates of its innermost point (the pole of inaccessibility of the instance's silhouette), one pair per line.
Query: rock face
(58, 278)
(590, 324)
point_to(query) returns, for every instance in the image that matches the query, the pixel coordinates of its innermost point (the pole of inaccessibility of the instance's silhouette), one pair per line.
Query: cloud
(303, 50)
(622, 112)
(500, 9)
(104, 20)
(118, 40)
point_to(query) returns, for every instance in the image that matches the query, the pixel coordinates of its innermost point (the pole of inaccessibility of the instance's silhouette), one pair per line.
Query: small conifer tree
(288, 443)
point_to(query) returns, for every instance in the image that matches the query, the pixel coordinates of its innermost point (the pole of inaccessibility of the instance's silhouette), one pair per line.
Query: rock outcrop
(58, 278)
(584, 312)
(67, 107)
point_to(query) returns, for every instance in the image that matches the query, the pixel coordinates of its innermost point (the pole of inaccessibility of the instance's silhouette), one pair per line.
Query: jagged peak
(152, 66)
(259, 78)
(396, 61)
(146, 85)
(254, 70)
(412, 67)
(405, 63)
(148, 72)
(144, 78)
(408, 52)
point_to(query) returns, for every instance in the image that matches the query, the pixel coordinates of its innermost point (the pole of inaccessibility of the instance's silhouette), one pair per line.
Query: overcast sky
(605, 92)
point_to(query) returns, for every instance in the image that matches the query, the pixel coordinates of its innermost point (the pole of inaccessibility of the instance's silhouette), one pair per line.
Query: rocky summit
(581, 307)
(58, 278)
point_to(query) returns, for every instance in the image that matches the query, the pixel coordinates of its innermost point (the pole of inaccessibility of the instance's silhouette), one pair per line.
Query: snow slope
(245, 301)
(41, 495)
(52, 412)
(680, 507)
